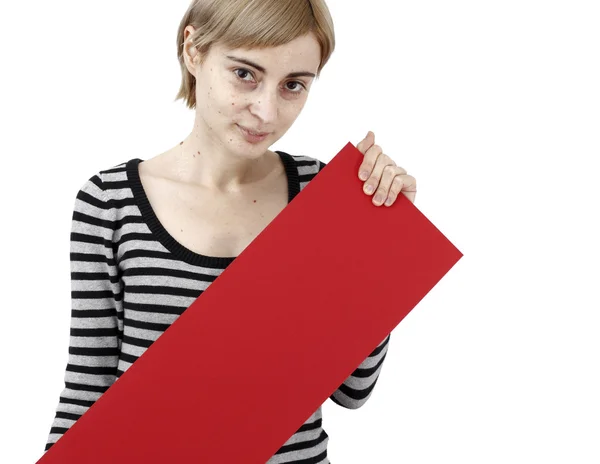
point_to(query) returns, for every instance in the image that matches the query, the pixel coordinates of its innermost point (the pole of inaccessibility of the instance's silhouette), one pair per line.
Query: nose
(264, 105)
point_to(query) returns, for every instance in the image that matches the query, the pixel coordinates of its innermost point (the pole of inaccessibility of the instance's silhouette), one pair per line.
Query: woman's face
(261, 96)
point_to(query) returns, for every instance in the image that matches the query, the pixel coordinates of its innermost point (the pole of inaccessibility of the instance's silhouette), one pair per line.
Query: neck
(203, 159)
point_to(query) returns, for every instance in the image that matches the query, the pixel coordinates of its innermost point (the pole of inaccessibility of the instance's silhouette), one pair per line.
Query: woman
(148, 237)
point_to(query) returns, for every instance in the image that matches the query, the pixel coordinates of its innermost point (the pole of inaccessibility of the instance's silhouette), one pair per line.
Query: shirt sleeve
(358, 387)
(96, 325)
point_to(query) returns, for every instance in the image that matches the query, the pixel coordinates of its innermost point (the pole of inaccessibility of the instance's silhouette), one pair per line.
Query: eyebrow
(262, 70)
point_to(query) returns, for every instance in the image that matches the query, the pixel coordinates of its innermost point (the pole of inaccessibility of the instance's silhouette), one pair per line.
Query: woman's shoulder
(100, 183)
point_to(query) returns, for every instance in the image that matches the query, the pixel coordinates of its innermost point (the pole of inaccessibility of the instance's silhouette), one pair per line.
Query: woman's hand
(381, 175)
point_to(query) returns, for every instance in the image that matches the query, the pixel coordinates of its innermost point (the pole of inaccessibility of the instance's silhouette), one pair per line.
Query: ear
(191, 56)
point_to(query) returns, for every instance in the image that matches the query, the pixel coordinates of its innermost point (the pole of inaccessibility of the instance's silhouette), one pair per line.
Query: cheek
(221, 103)
(236, 100)
(290, 114)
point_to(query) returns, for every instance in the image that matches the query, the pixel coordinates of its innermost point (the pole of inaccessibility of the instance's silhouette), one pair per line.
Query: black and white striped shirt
(117, 243)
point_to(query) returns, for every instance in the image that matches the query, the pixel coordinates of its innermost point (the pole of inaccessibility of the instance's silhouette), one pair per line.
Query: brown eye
(243, 71)
(299, 85)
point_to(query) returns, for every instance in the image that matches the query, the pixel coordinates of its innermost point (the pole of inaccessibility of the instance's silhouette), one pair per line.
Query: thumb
(366, 143)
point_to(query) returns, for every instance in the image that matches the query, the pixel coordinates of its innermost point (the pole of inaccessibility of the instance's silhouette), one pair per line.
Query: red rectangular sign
(310, 298)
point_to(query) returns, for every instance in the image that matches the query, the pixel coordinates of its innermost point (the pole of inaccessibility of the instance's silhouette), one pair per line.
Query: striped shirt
(117, 243)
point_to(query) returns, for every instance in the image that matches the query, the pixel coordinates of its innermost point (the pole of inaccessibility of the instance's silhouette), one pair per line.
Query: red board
(310, 298)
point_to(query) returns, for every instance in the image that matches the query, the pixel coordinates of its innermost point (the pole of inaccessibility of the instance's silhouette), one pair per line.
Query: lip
(251, 138)
(255, 133)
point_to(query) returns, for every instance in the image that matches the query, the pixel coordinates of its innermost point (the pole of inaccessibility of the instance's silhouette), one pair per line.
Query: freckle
(231, 140)
(198, 152)
(180, 143)
(233, 104)
(254, 201)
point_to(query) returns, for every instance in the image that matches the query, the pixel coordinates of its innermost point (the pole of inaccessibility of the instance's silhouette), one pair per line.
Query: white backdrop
(493, 106)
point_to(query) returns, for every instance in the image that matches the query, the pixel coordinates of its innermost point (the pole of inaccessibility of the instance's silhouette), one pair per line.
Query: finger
(395, 184)
(368, 164)
(383, 160)
(405, 184)
(390, 172)
(366, 143)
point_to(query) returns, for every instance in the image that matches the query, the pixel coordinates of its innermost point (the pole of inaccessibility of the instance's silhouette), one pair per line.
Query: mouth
(252, 132)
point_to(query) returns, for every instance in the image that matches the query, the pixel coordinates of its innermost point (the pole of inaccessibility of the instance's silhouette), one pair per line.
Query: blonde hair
(251, 24)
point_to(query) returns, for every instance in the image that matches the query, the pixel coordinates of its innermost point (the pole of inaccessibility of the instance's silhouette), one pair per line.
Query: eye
(299, 85)
(243, 71)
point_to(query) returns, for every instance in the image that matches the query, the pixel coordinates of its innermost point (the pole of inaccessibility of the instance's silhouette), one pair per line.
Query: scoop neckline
(166, 239)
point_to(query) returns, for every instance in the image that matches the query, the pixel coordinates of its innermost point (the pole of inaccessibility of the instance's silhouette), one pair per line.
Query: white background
(493, 106)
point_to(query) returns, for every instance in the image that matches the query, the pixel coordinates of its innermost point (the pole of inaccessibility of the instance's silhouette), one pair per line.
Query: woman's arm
(357, 389)
(96, 308)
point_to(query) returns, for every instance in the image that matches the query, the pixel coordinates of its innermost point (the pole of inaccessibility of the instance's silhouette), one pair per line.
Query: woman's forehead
(301, 52)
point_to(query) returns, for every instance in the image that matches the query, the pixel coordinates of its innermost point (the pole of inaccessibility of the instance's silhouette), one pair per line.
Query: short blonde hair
(251, 24)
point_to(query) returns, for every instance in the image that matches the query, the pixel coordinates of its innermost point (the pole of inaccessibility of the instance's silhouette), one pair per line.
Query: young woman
(149, 236)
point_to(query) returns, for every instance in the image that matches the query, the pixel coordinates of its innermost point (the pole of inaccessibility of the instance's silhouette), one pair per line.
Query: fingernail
(378, 198)
(388, 202)
(369, 189)
(363, 175)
